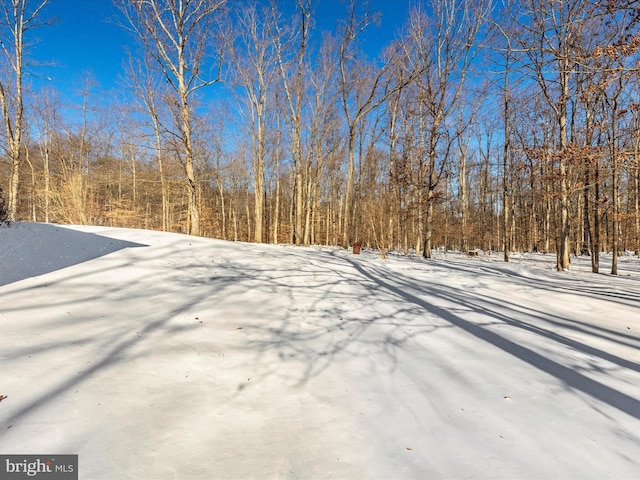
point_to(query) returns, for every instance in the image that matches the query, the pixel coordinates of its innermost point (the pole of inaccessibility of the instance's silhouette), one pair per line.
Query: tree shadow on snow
(323, 308)
(112, 341)
(388, 311)
(569, 375)
(33, 249)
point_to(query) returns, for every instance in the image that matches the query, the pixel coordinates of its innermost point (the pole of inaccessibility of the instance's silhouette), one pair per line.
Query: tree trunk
(506, 243)
(615, 239)
(428, 227)
(563, 253)
(14, 182)
(192, 186)
(636, 202)
(464, 201)
(258, 181)
(595, 239)
(346, 217)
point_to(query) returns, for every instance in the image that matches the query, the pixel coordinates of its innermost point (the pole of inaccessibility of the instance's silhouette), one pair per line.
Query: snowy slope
(163, 356)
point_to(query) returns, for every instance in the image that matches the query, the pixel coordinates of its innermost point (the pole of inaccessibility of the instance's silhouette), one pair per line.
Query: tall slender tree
(149, 90)
(177, 36)
(255, 69)
(292, 43)
(552, 37)
(364, 86)
(443, 45)
(18, 18)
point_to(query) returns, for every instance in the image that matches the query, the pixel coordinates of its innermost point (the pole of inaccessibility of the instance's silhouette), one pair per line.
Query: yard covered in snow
(163, 356)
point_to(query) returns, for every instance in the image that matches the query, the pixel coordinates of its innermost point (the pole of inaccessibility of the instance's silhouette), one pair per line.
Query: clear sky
(83, 39)
(86, 39)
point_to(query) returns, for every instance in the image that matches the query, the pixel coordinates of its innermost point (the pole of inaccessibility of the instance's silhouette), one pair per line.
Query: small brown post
(356, 248)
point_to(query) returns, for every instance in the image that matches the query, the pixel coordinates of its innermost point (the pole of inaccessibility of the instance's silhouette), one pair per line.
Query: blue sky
(82, 40)
(85, 39)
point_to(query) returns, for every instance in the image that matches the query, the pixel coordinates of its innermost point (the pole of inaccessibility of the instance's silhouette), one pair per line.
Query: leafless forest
(506, 126)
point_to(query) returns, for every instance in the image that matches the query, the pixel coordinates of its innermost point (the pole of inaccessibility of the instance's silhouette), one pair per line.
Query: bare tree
(324, 132)
(294, 38)
(45, 121)
(552, 37)
(443, 46)
(18, 18)
(613, 110)
(634, 169)
(73, 155)
(176, 35)
(622, 39)
(564, 43)
(149, 91)
(364, 87)
(506, 53)
(255, 68)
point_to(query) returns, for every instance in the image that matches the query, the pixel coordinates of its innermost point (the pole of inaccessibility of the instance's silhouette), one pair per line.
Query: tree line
(506, 126)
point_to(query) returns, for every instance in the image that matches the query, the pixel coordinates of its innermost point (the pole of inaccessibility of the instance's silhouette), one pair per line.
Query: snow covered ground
(163, 356)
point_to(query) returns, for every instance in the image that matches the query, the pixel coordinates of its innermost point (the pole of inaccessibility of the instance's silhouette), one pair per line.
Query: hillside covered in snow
(162, 356)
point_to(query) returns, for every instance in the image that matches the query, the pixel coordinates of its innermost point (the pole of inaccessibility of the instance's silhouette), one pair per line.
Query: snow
(162, 356)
